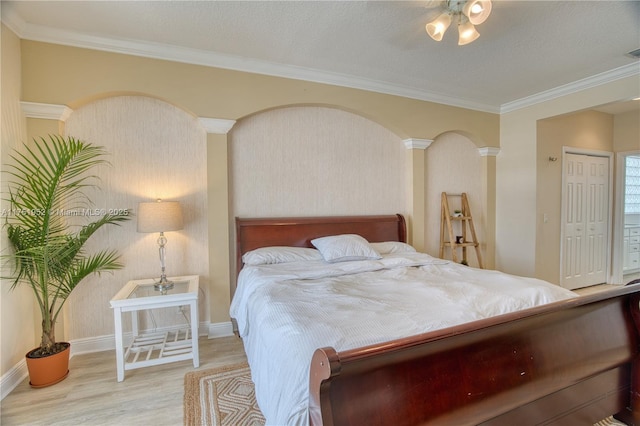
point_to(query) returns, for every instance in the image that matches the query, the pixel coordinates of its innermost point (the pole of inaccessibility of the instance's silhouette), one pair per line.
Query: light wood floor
(91, 396)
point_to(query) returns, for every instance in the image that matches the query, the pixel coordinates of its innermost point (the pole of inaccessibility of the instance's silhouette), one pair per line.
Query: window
(632, 185)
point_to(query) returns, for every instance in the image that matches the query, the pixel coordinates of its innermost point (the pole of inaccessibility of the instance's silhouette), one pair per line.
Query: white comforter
(286, 311)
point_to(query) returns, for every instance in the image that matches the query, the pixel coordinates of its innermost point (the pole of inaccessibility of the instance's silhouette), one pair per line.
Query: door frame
(617, 259)
(594, 153)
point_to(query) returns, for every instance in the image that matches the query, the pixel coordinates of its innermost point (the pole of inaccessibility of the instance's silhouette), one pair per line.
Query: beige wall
(590, 130)
(516, 170)
(19, 330)
(626, 131)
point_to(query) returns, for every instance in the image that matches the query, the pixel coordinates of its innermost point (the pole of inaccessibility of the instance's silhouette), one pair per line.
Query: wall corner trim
(413, 143)
(46, 111)
(218, 126)
(489, 151)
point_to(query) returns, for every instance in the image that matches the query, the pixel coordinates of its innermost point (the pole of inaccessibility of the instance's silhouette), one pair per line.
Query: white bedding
(286, 311)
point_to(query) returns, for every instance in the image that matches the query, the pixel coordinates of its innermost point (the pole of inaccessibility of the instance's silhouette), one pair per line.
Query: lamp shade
(438, 26)
(159, 216)
(477, 11)
(467, 33)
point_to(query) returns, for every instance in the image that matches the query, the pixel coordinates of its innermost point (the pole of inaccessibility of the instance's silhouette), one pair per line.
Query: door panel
(585, 231)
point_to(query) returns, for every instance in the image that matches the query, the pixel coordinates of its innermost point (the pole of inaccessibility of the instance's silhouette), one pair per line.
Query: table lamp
(160, 216)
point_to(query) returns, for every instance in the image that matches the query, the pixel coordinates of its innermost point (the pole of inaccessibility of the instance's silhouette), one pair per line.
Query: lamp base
(163, 285)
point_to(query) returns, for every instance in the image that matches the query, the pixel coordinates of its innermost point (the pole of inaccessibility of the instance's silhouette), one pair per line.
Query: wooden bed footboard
(567, 363)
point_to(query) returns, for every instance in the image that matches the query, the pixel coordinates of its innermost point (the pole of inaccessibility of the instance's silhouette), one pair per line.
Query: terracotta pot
(49, 370)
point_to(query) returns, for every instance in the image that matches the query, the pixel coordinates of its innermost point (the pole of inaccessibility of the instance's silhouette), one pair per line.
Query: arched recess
(156, 150)
(315, 160)
(95, 97)
(454, 164)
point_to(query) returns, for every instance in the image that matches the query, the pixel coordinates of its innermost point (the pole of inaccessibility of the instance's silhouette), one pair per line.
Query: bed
(570, 360)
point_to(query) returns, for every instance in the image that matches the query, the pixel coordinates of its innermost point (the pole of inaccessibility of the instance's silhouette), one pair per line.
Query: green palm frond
(46, 180)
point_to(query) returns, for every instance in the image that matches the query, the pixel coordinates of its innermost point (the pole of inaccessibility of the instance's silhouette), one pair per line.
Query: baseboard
(220, 329)
(12, 378)
(96, 344)
(18, 372)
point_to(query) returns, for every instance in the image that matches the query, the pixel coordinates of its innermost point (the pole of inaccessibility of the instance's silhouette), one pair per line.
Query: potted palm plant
(46, 189)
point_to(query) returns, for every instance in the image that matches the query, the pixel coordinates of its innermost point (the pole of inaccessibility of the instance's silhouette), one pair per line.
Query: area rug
(221, 396)
(610, 421)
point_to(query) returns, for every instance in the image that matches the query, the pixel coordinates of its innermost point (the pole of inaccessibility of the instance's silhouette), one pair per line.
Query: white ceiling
(528, 51)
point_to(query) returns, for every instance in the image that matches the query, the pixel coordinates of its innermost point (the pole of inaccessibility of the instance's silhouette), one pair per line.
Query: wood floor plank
(90, 395)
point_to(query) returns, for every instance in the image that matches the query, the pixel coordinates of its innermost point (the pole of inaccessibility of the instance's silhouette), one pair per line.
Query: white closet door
(585, 230)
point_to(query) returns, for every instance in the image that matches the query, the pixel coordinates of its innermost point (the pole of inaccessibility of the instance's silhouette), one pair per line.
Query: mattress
(286, 311)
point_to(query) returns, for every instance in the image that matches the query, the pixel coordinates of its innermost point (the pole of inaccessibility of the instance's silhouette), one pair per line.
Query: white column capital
(46, 111)
(218, 126)
(413, 143)
(489, 151)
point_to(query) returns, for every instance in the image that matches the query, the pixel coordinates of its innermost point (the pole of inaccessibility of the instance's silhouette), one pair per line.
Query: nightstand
(154, 348)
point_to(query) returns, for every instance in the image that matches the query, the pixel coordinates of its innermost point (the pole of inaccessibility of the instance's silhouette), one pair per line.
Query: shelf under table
(159, 348)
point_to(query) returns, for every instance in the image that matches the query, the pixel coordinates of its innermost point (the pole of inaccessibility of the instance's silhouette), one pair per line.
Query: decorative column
(416, 195)
(44, 119)
(489, 153)
(220, 268)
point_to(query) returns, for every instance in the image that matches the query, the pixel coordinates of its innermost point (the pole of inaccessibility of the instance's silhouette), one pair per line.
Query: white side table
(154, 348)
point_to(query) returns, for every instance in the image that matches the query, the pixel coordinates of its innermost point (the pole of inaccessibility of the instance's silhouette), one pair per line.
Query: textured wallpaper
(156, 151)
(313, 161)
(453, 166)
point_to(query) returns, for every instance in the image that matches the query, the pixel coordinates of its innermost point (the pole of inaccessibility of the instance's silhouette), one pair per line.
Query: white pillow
(279, 254)
(388, 247)
(340, 248)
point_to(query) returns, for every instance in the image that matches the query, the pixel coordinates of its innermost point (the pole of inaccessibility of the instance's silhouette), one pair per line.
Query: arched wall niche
(454, 165)
(79, 103)
(370, 117)
(156, 150)
(478, 141)
(306, 160)
(392, 126)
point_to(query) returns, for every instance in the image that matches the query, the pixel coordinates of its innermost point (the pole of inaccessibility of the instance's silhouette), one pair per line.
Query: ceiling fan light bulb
(477, 11)
(438, 26)
(467, 33)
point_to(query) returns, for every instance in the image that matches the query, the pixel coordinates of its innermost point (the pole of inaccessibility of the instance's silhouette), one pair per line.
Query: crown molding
(167, 52)
(413, 143)
(218, 126)
(13, 21)
(489, 151)
(46, 111)
(625, 71)
(152, 50)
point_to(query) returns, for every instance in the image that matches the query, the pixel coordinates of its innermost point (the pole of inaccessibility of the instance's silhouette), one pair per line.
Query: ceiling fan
(468, 12)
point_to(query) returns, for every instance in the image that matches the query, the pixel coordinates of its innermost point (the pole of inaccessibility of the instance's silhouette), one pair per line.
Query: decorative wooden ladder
(465, 219)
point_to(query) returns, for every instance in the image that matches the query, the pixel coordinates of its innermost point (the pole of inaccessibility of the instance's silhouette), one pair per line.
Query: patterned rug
(610, 421)
(225, 396)
(221, 396)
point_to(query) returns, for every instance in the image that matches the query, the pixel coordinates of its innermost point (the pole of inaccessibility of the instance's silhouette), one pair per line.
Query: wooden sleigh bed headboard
(573, 362)
(299, 231)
